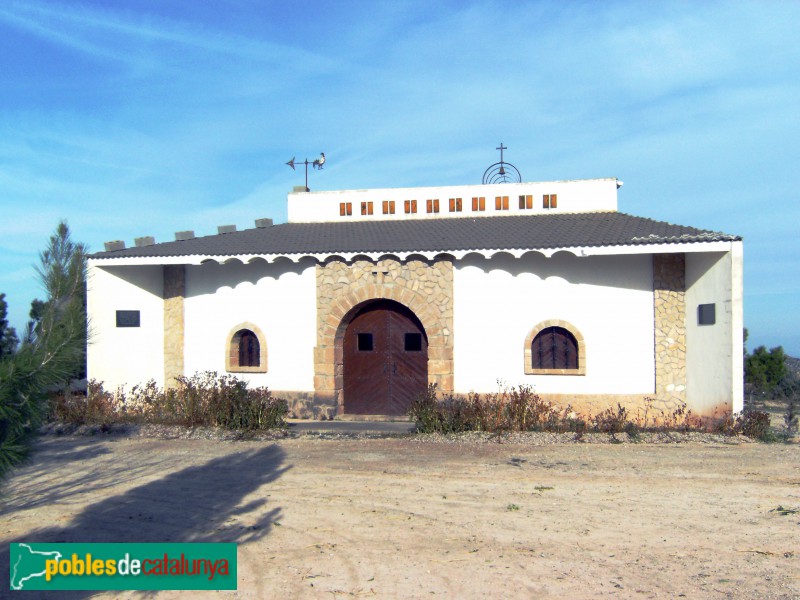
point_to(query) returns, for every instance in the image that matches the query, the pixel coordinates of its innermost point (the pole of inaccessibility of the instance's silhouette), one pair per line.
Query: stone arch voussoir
(352, 287)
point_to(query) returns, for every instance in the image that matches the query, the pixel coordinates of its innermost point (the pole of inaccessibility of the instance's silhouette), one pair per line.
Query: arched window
(246, 350)
(554, 348)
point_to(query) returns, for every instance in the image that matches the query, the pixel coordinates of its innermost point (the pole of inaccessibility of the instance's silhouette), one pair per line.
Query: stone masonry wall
(174, 291)
(669, 286)
(424, 287)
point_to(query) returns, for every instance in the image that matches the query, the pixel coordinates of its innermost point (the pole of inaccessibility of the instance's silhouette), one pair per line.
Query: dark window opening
(554, 348)
(413, 342)
(706, 314)
(249, 349)
(365, 342)
(128, 318)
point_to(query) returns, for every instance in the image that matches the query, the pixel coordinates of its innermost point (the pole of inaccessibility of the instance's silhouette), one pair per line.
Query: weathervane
(502, 172)
(315, 164)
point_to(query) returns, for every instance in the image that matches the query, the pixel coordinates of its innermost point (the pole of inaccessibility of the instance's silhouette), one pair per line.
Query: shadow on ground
(204, 503)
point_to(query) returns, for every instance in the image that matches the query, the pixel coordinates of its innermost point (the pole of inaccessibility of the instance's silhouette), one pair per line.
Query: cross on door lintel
(379, 274)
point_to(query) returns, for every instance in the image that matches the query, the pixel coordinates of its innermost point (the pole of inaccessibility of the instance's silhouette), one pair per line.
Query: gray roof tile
(535, 232)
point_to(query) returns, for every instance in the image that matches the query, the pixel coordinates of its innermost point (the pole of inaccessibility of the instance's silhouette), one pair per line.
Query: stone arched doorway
(385, 359)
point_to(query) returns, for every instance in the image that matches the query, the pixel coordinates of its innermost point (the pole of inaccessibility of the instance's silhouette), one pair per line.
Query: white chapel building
(364, 297)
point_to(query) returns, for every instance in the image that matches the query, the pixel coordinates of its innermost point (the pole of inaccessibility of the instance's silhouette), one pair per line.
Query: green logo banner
(123, 566)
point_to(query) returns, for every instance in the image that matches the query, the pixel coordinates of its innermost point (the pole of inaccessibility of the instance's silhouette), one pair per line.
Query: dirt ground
(411, 518)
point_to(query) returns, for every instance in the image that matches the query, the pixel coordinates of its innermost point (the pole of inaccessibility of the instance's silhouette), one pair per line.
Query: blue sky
(139, 117)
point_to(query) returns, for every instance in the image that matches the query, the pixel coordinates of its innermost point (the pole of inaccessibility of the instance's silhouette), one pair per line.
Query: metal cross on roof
(501, 148)
(502, 172)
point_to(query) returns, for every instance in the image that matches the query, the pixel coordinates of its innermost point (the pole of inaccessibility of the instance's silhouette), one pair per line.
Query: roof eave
(581, 251)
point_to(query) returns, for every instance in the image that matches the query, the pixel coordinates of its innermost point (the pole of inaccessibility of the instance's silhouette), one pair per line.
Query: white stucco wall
(714, 352)
(279, 298)
(580, 195)
(120, 356)
(608, 299)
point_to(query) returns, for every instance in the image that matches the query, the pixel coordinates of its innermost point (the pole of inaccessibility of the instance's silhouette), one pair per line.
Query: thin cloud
(85, 23)
(132, 122)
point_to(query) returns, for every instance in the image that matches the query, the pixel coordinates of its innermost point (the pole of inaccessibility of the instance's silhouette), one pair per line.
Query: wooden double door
(385, 360)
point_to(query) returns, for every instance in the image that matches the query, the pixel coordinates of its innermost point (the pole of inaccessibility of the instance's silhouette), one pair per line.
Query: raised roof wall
(578, 196)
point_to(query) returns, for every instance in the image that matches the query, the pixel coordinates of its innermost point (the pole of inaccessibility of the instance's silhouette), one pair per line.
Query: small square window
(501, 203)
(706, 314)
(411, 206)
(550, 201)
(413, 342)
(345, 209)
(479, 203)
(365, 342)
(128, 318)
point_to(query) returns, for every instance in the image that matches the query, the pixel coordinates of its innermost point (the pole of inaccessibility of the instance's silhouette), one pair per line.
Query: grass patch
(785, 511)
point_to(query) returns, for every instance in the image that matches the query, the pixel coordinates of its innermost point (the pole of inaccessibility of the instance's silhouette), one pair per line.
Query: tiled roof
(517, 232)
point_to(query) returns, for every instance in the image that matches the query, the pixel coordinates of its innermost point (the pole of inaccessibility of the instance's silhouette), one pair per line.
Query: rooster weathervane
(315, 164)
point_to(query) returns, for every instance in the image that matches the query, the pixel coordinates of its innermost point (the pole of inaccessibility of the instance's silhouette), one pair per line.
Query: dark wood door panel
(386, 379)
(365, 390)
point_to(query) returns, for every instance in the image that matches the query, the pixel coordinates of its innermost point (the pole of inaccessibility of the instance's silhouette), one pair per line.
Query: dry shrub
(206, 399)
(520, 409)
(755, 424)
(95, 407)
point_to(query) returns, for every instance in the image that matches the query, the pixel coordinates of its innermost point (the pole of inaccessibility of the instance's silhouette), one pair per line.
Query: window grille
(554, 348)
